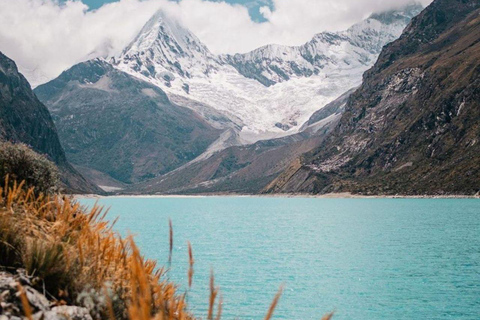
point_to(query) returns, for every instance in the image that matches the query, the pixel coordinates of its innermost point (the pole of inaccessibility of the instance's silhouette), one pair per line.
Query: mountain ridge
(169, 56)
(273, 63)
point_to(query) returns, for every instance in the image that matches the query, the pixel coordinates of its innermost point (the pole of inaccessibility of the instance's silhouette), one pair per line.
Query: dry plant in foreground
(170, 238)
(190, 263)
(213, 296)
(328, 316)
(274, 304)
(71, 250)
(25, 305)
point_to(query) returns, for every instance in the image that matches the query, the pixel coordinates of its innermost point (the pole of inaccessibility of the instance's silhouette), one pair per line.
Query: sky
(253, 6)
(45, 37)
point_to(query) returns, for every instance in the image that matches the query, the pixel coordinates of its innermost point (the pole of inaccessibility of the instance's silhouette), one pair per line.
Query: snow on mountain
(165, 50)
(271, 91)
(356, 47)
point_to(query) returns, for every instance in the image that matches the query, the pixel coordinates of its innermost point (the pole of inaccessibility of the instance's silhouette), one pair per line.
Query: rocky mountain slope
(23, 118)
(128, 129)
(271, 91)
(240, 169)
(413, 127)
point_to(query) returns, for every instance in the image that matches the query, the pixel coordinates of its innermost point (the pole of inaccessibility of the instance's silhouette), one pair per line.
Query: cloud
(228, 29)
(45, 37)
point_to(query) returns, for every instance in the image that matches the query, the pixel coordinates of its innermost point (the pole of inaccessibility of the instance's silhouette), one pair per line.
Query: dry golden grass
(27, 310)
(213, 296)
(71, 249)
(328, 316)
(170, 233)
(220, 308)
(190, 263)
(274, 304)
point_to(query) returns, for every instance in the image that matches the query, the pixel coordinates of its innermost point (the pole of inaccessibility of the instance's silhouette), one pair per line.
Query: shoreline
(340, 195)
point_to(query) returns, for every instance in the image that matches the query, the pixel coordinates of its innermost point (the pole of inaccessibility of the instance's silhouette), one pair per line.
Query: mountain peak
(165, 49)
(393, 16)
(163, 28)
(381, 28)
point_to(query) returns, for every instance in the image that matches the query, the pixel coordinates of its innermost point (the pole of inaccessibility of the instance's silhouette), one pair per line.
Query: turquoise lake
(369, 259)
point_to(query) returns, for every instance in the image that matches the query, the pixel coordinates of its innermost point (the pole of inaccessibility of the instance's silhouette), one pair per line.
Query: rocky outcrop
(23, 118)
(14, 286)
(413, 125)
(336, 107)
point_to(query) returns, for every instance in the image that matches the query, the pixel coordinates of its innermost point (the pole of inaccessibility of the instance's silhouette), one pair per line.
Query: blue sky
(252, 5)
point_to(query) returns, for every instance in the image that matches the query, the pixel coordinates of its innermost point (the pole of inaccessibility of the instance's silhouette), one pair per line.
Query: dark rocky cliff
(23, 118)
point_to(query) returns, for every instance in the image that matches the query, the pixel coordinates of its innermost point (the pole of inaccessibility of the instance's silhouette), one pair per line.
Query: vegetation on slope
(72, 252)
(24, 119)
(114, 123)
(21, 163)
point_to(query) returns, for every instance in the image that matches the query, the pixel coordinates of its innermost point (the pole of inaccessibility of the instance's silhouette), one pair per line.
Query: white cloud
(45, 37)
(229, 29)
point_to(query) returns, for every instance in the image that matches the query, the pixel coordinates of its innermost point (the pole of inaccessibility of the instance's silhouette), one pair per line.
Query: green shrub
(21, 163)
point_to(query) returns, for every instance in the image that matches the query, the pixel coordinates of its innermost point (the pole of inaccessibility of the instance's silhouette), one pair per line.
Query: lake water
(369, 259)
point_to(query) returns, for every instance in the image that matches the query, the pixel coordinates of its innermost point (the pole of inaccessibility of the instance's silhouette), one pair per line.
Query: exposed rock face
(23, 118)
(111, 122)
(337, 106)
(413, 125)
(11, 306)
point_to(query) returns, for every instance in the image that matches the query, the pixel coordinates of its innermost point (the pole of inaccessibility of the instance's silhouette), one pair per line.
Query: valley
(167, 115)
(154, 178)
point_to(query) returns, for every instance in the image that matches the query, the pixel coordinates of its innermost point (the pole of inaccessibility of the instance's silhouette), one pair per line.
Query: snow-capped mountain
(269, 92)
(165, 50)
(356, 47)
